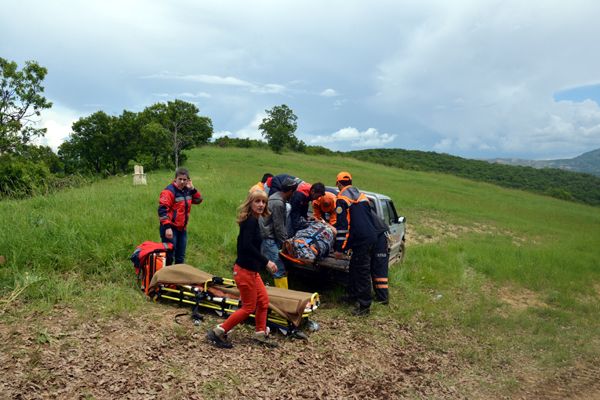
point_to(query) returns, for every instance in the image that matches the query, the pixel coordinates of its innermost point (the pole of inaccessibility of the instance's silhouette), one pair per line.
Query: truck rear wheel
(402, 251)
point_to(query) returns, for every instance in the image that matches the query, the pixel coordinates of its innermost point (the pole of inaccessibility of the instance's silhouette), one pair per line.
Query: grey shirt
(274, 226)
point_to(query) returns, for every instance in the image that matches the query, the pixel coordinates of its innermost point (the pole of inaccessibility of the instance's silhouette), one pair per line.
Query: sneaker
(218, 337)
(360, 311)
(263, 339)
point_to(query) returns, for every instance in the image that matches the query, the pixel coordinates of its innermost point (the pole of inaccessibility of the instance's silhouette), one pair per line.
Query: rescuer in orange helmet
(324, 208)
(358, 229)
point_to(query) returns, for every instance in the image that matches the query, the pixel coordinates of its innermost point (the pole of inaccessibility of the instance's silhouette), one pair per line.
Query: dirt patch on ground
(433, 230)
(147, 357)
(67, 356)
(580, 382)
(520, 299)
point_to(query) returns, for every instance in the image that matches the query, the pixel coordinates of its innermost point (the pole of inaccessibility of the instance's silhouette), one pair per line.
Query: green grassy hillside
(558, 183)
(508, 280)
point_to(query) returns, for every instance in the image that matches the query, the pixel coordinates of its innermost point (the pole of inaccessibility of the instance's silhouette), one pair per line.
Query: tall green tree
(186, 128)
(279, 127)
(127, 139)
(92, 145)
(21, 102)
(43, 155)
(156, 148)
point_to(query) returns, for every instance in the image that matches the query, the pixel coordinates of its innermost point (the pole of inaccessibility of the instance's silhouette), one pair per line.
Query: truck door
(396, 230)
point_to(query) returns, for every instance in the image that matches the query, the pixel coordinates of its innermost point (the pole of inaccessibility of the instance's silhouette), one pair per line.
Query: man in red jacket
(174, 208)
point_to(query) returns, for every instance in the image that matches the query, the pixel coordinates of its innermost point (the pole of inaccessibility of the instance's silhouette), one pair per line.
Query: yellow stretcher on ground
(289, 310)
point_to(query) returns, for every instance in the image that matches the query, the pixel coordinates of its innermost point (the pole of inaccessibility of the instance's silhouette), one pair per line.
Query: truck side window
(386, 211)
(393, 213)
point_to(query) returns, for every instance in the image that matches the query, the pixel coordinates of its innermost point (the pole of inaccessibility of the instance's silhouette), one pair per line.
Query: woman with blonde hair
(246, 274)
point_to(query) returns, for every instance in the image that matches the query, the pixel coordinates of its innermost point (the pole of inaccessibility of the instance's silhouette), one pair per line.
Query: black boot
(361, 311)
(385, 301)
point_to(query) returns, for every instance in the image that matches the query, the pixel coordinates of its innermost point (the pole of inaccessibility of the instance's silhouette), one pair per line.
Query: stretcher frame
(199, 296)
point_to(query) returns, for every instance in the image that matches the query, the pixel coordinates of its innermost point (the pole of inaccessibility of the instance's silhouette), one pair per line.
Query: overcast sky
(478, 79)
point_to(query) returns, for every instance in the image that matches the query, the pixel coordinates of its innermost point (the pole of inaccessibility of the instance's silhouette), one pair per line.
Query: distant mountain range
(587, 162)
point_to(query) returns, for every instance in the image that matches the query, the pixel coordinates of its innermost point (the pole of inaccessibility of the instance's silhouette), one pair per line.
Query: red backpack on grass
(148, 258)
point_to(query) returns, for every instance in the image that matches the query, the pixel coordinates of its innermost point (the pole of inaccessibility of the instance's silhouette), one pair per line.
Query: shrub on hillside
(43, 154)
(20, 177)
(57, 183)
(226, 141)
(318, 150)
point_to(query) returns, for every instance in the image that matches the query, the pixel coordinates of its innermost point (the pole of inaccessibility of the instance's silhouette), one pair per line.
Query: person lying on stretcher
(310, 244)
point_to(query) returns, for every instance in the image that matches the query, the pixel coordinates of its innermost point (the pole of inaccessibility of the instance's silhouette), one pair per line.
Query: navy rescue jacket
(299, 208)
(355, 223)
(175, 206)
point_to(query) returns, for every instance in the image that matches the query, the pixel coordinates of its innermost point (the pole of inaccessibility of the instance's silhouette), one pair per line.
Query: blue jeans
(270, 250)
(179, 241)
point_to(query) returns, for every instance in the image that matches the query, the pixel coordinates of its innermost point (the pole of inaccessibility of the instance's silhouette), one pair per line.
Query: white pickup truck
(384, 208)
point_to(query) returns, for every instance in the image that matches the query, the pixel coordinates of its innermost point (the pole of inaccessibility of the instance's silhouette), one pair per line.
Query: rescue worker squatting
(175, 203)
(324, 208)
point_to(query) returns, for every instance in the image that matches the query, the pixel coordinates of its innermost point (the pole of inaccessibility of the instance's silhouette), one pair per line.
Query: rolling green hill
(562, 184)
(502, 284)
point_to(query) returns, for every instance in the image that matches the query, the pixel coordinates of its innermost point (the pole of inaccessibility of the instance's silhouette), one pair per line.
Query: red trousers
(254, 299)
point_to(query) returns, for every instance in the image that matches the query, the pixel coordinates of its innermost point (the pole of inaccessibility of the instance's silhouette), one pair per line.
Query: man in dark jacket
(299, 205)
(175, 204)
(274, 230)
(357, 230)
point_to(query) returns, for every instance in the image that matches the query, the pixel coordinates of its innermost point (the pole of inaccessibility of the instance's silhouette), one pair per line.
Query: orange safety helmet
(344, 176)
(327, 202)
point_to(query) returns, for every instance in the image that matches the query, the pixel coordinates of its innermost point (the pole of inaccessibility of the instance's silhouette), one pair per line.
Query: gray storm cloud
(475, 79)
